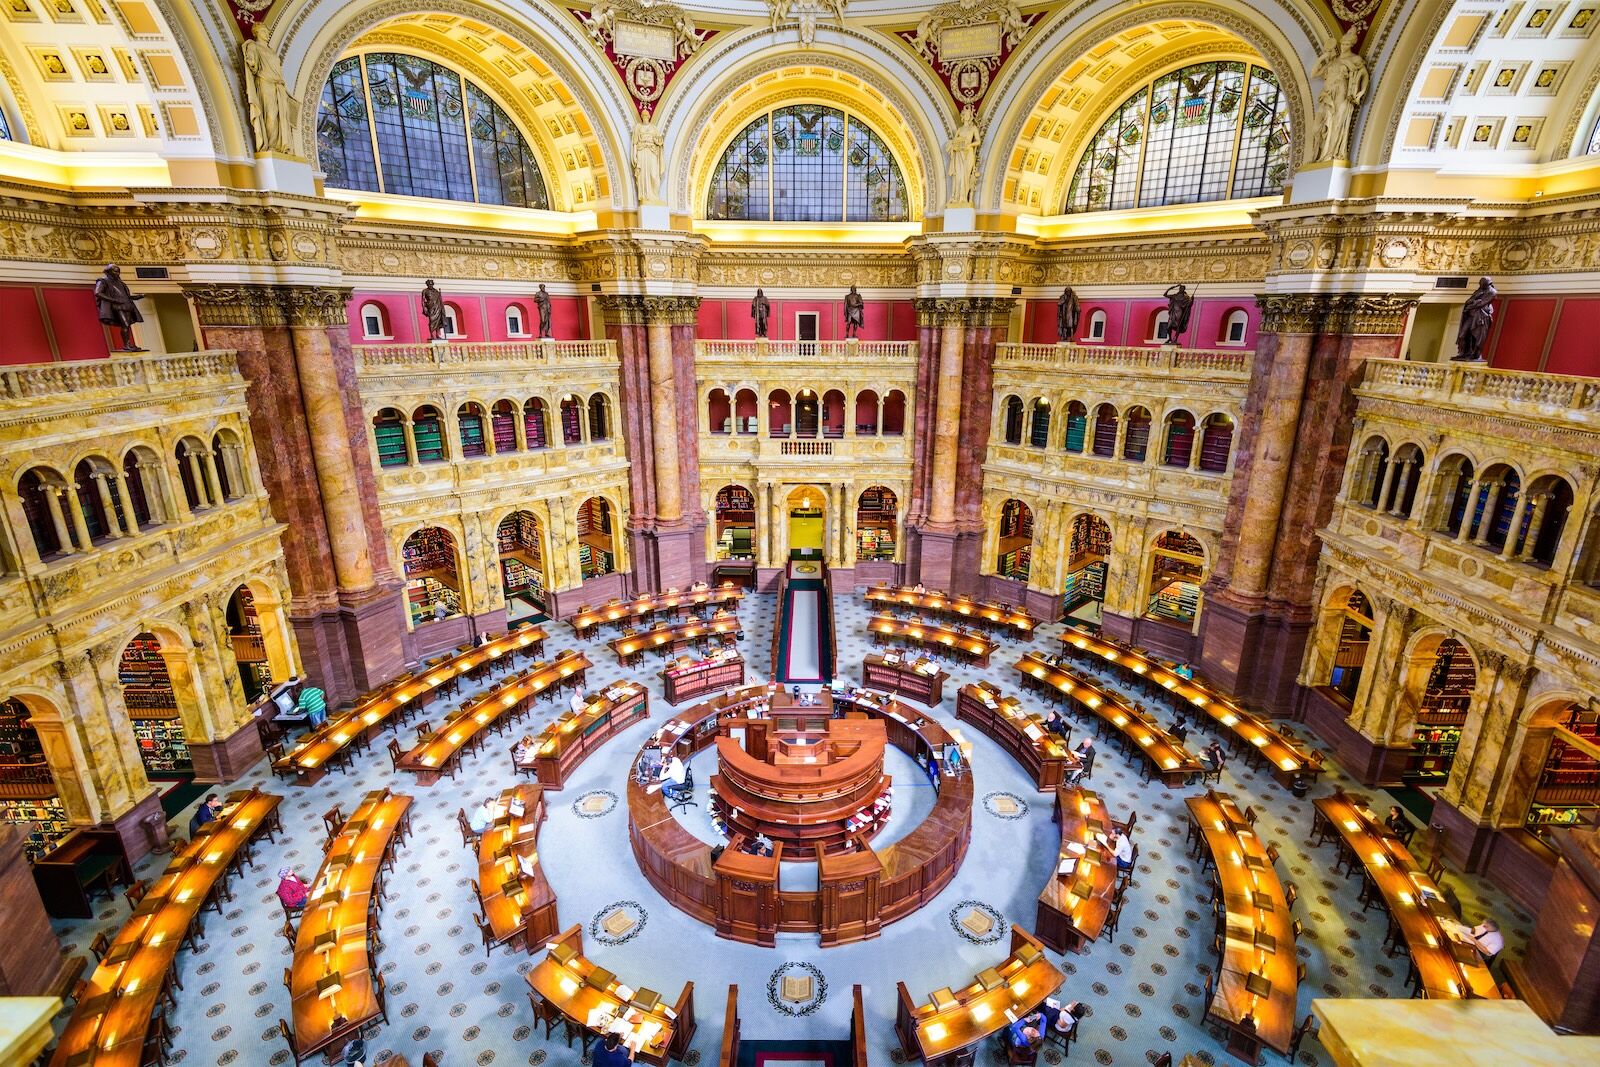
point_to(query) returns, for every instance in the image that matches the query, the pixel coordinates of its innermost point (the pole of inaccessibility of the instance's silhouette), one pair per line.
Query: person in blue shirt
(206, 812)
(1024, 1033)
(611, 1053)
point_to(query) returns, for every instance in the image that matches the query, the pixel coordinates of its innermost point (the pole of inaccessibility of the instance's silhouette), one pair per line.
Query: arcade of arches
(715, 291)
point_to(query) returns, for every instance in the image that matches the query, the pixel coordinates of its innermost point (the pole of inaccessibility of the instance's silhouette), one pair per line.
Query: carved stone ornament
(805, 14)
(1371, 314)
(268, 305)
(627, 309)
(968, 41)
(963, 310)
(645, 40)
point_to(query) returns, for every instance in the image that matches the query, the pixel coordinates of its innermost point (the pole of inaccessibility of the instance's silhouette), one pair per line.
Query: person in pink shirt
(291, 890)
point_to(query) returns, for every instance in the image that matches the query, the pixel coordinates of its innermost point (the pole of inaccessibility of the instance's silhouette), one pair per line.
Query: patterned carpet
(445, 996)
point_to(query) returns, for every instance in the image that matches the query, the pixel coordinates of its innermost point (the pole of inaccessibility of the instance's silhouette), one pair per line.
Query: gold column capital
(1370, 313)
(248, 304)
(963, 310)
(631, 309)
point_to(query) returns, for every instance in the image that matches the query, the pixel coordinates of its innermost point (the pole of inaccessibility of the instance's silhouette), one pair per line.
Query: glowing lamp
(1020, 986)
(1171, 763)
(1259, 741)
(568, 986)
(981, 1012)
(1229, 719)
(936, 1032)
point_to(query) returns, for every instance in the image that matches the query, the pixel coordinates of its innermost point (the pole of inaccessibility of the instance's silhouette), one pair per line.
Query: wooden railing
(137, 374)
(759, 350)
(1470, 385)
(463, 355)
(1192, 362)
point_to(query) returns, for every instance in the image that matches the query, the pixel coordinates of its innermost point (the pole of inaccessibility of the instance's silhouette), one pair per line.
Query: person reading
(673, 776)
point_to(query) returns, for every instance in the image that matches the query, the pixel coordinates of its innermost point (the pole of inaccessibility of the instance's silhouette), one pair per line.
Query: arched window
(744, 412)
(599, 418)
(503, 425)
(1136, 445)
(876, 511)
(736, 523)
(427, 429)
(469, 418)
(1177, 568)
(1216, 442)
(1211, 131)
(436, 133)
(452, 321)
(1077, 426)
(808, 163)
(596, 539)
(433, 577)
(374, 322)
(833, 413)
(135, 465)
(516, 321)
(1105, 430)
(1160, 328)
(807, 413)
(1454, 481)
(533, 424)
(1015, 558)
(867, 413)
(389, 430)
(719, 412)
(1233, 327)
(1097, 326)
(571, 420)
(5, 127)
(1011, 431)
(40, 489)
(1180, 439)
(894, 413)
(192, 473)
(1039, 423)
(1594, 140)
(780, 414)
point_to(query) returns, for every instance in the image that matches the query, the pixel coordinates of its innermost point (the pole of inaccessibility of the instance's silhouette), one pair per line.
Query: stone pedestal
(130, 826)
(30, 955)
(227, 759)
(946, 560)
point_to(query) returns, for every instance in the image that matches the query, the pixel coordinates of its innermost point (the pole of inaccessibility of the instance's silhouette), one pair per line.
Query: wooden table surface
(321, 744)
(578, 986)
(684, 632)
(1255, 909)
(933, 635)
(956, 1019)
(109, 1023)
(465, 722)
(1169, 757)
(650, 603)
(338, 906)
(1285, 755)
(1081, 814)
(1415, 903)
(986, 707)
(500, 848)
(955, 606)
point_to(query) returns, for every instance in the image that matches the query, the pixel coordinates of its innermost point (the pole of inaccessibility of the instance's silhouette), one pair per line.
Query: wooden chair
(134, 893)
(1300, 972)
(100, 946)
(1127, 826)
(1113, 917)
(383, 998)
(1210, 774)
(1436, 869)
(1273, 854)
(468, 836)
(288, 1039)
(429, 1060)
(544, 1012)
(1164, 1060)
(1291, 893)
(485, 933)
(1124, 875)
(1250, 815)
(1307, 1026)
(275, 756)
(395, 754)
(288, 933)
(1300, 929)
(333, 819)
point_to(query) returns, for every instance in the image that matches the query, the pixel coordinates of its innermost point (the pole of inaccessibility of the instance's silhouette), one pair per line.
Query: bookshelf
(503, 428)
(571, 423)
(533, 425)
(391, 438)
(429, 558)
(472, 438)
(1176, 569)
(428, 431)
(44, 820)
(736, 523)
(1083, 585)
(1077, 429)
(1441, 714)
(24, 774)
(875, 522)
(1016, 541)
(1568, 790)
(146, 686)
(162, 746)
(596, 549)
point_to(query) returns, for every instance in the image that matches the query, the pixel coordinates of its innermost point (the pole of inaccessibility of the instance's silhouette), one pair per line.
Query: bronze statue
(116, 305)
(541, 301)
(1477, 315)
(1067, 312)
(433, 309)
(1179, 303)
(855, 313)
(761, 311)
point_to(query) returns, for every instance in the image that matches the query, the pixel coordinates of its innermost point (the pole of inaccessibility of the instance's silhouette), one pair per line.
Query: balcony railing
(1191, 362)
(834, 352)
(467, 355)
(31, 382)
(1480, 387)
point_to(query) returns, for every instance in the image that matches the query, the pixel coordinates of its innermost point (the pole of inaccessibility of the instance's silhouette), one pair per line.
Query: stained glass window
(5, 128)
(807, 163)
(1594, 140)
(1206, 132)
(400, 124)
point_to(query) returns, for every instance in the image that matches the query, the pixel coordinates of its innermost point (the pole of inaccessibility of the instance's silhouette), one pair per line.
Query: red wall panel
(26, 340)
(1524, 325)
(1575, 348)
(76, 323)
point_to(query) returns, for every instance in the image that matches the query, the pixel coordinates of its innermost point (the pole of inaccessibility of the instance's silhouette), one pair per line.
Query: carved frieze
(963, 310)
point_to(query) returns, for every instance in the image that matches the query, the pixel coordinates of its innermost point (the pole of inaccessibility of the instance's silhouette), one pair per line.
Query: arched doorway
(29, 796)
(1350, 654)
(522, 576)
(1177, 567)
(1567, 789)
(877, 515)
(736, 523)
(808, 526)
(597, 546)
(152, 703)
(1014, 552)
(1441, 680)
(256, 675)
(433, 578)
(1083, 589)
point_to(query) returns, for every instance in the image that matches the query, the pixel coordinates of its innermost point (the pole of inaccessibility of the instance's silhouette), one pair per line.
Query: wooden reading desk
(1076, 900)
(1256, 981)
(618, 612)
(568, 740)
(664, 638)
(595, 999)
(720, 670)
(518, 903)
(1019, 732)
(430, 757)
(984, 613)
(110, 1021)
(919, 679)
(1286, 757)
(945, 1030)
(334, 985)
(309, 759)
(932, 635)
(1165, 756)
(1446, 965)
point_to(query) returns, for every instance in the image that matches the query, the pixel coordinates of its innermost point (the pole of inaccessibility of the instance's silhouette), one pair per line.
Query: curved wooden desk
(935, 636)
(1166, 757)
(1286, 757)
(982, 612)
(904, 876)
(333, 983)
(671, 638)
(1074, 903)
(112, 1017)
(517, 906)
(645, 605)
(1021, 733)
(567, 741)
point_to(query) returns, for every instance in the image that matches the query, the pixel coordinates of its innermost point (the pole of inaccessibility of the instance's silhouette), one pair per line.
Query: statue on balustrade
(541, 303)
(1477, 315)
(1067, 312)
(116, 305)
(433, 310)
(761, 311)
(272, 109)
(855, 313)
(1179, 303)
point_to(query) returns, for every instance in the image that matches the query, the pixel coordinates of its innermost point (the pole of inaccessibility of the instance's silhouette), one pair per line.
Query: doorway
(805, 331)
(807, 524)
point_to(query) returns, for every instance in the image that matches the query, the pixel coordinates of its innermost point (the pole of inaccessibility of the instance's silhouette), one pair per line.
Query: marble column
(52, 503)
(129, 515)
(113, 527)
(1467, 515)
(80, 525)
(1540, 504)
(1490, 506)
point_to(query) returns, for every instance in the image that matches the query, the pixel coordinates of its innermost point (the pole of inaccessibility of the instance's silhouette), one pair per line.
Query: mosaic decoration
(959, 913)
(646, 41)
(792, 970)
(967, 42)
(1005, 805)
(595, 804)
(632, 909)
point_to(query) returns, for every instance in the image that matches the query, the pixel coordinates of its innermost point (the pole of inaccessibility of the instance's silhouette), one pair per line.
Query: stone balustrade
(146, 374)
(1175, 362)
(758, 351)
(485, 354)
(1481, 388)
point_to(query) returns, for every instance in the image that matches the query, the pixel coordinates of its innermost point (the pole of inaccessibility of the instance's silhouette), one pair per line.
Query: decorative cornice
(1343, 314)
(268, 305)
(963, 310)
(628, 309)
(1291, 312)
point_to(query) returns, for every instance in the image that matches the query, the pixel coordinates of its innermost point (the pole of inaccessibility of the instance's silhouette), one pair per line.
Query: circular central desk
(859, 890)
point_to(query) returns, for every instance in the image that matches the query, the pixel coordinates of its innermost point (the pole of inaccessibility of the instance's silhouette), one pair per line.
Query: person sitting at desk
(1487, 936)
(760, 845)
(1122, 849)
(1025, 1033)
(208, 811)
(1179, 731)
(291, 890)
(522, 750)
(1085, 763)
(1398, 824)
(673, 775)
(952, 759)
(612, 1052)
(1064, 1018)
(1055, 723)
(1211, 756)
(482, 817)
(577, 703)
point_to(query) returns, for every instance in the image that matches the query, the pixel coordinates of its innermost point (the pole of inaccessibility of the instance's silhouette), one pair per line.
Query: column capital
(269, 305)
(1334, 313)
(315, 306)
(963, 310)
(632, 309)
